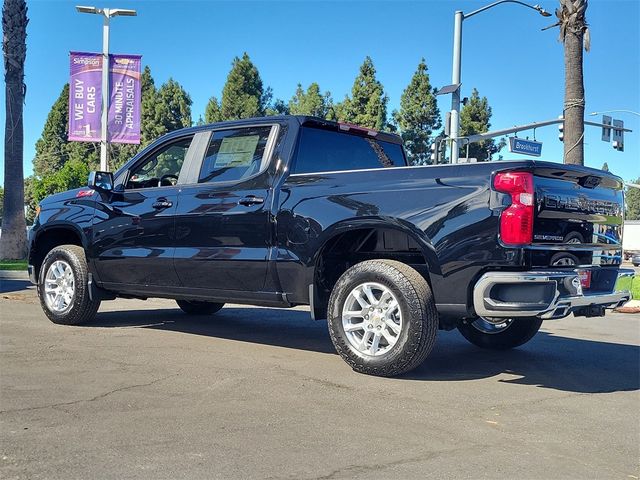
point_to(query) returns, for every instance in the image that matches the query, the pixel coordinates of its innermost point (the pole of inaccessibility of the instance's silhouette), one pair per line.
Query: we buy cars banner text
(85, 98)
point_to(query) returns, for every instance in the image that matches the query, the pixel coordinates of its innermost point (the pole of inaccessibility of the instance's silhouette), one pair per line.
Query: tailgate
(578, 216)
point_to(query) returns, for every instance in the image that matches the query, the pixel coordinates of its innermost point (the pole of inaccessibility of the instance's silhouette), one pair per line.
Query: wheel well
(346, 249)
(48, 240)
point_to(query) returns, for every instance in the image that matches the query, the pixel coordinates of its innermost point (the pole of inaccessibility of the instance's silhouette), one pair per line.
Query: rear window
(327, 151)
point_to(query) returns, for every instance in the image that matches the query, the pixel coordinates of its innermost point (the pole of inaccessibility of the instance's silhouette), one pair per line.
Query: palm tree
(14, 26)
(574, 33)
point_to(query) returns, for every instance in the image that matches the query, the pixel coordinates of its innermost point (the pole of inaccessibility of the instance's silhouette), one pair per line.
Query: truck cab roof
(300, 120)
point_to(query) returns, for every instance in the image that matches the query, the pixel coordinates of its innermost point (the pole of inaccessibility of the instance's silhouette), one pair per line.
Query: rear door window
(235, 154)
(326, 151)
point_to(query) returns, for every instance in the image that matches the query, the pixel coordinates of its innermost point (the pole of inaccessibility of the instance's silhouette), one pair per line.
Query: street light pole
(106, 13)
(615, 111)
(457, 67)
(455, 80)
(104, 131)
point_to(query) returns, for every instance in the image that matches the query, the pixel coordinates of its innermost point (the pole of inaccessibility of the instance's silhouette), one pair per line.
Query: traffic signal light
(618, 135)
(561, 129)
(438, 149)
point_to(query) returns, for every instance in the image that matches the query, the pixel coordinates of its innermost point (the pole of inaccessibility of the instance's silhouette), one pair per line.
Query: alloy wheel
(59, 287)
(372, 319)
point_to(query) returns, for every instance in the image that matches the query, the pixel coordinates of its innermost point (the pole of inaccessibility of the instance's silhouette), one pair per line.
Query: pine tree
(312, 102)
(367, 105)
(277, 107)
(173, 108)
(51, 146)
(148, 102)
(605, 167)
(120, 153)
(475, 118)
(418, 116)
(212, 112)
(243, 95)
(336, 112)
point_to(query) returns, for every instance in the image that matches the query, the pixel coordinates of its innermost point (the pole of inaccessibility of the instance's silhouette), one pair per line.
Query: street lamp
(106, 13)
(612, 111)
(457, 66)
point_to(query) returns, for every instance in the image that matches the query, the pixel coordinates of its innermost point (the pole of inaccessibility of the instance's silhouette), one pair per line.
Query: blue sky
(505, 55)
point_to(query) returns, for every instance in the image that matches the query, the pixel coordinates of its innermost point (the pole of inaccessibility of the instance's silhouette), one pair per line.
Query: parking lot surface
(146, 391)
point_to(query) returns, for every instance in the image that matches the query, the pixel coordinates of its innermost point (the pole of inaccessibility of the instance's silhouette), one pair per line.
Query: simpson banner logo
(85, 98)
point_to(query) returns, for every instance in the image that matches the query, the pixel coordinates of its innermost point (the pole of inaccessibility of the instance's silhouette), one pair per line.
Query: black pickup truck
(294, 210)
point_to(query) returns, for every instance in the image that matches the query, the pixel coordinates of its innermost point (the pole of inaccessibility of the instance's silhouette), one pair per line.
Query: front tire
(512, 333)
(193, 307)
(63, 287)
(382, 318)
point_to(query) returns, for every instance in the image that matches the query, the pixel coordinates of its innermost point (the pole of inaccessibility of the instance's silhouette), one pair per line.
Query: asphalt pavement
(147, 392)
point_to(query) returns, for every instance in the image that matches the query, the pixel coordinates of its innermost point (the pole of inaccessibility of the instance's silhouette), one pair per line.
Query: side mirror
(101, 181)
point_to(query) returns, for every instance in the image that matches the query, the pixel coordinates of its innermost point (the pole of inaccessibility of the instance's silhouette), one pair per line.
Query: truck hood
(82, 192)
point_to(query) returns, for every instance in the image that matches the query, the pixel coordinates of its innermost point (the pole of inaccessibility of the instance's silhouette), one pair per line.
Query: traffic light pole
(529, 126)
(457, 67)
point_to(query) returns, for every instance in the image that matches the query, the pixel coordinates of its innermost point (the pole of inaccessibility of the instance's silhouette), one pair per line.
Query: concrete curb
(14, 275)
(632, 306)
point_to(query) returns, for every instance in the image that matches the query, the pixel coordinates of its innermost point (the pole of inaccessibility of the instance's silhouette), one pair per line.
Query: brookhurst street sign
(525, 147)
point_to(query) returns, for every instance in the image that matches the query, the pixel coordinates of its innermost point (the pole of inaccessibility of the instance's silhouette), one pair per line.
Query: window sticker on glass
(237, 151)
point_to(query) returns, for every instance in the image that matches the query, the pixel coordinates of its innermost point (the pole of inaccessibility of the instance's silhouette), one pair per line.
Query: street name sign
(525, 147)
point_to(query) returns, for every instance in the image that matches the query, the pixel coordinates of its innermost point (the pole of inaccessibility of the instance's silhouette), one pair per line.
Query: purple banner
(85, 96)
(124, 105)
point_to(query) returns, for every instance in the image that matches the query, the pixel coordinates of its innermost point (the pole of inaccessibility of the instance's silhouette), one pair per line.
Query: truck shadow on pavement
(547, 361)
(9, 285)
(268, 326)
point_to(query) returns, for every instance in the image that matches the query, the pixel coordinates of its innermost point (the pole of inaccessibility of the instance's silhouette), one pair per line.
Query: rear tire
(63, 286)
(518, 332)
(194, 307)
(382, 318)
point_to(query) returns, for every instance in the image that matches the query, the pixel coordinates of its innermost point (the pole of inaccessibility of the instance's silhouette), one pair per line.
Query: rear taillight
(516, 221)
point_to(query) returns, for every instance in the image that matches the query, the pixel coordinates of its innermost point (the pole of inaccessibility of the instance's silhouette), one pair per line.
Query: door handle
(251, 200)
(162, 203)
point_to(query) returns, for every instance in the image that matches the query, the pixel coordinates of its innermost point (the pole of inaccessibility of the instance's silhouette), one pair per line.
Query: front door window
(160, 169)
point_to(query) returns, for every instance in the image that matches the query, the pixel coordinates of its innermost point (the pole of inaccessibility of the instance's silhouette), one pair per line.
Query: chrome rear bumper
(544, 294)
